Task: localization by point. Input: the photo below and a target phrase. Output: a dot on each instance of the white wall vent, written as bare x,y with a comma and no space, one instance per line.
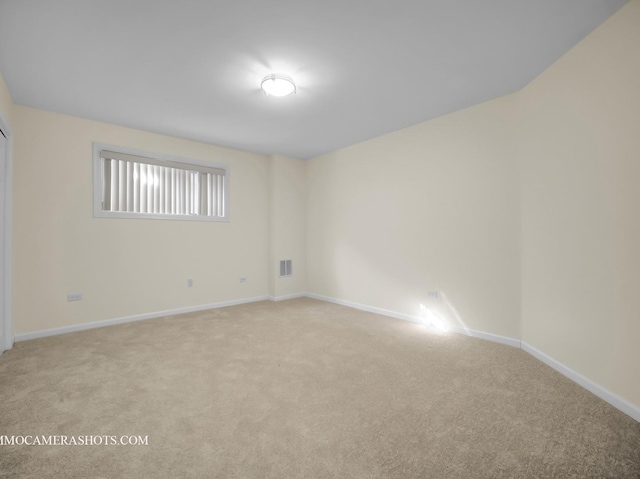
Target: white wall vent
285,268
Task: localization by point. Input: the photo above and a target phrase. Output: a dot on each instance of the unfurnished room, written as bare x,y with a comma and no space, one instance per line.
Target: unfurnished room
320,239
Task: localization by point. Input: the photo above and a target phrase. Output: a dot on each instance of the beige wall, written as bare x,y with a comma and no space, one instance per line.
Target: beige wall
580,161
431,207
534,193
287,224
122,266
523,211
6,103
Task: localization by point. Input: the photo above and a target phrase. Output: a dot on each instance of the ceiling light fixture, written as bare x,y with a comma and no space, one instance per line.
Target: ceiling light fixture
278,85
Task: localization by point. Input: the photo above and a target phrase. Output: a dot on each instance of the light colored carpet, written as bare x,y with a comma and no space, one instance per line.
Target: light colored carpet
301,388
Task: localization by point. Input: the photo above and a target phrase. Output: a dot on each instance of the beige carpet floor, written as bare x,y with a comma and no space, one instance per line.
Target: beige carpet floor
299,389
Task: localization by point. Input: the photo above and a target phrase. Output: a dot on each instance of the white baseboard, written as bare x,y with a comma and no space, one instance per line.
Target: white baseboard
417,319
496,338
365,307
129,319
288,296
613,399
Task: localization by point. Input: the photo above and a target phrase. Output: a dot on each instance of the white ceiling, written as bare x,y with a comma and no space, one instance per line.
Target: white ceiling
192,68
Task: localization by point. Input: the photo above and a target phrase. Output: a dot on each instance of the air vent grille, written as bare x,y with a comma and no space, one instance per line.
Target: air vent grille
285,268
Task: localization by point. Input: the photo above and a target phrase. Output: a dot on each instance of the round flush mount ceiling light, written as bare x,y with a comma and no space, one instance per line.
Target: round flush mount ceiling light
278,85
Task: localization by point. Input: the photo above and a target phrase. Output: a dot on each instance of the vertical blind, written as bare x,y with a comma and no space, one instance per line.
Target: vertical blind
136,184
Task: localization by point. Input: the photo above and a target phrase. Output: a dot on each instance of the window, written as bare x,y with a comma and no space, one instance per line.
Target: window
136,184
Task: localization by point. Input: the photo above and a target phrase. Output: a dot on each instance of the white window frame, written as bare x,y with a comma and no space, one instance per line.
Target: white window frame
98,212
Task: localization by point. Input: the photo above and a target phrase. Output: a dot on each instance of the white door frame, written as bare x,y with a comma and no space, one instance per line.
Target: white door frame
6,316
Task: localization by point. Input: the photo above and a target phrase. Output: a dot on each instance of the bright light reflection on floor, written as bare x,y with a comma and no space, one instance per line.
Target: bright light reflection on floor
432,321
461,326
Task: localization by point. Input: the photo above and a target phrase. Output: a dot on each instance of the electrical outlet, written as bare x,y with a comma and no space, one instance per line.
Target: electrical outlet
189,283
243,280
74,297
